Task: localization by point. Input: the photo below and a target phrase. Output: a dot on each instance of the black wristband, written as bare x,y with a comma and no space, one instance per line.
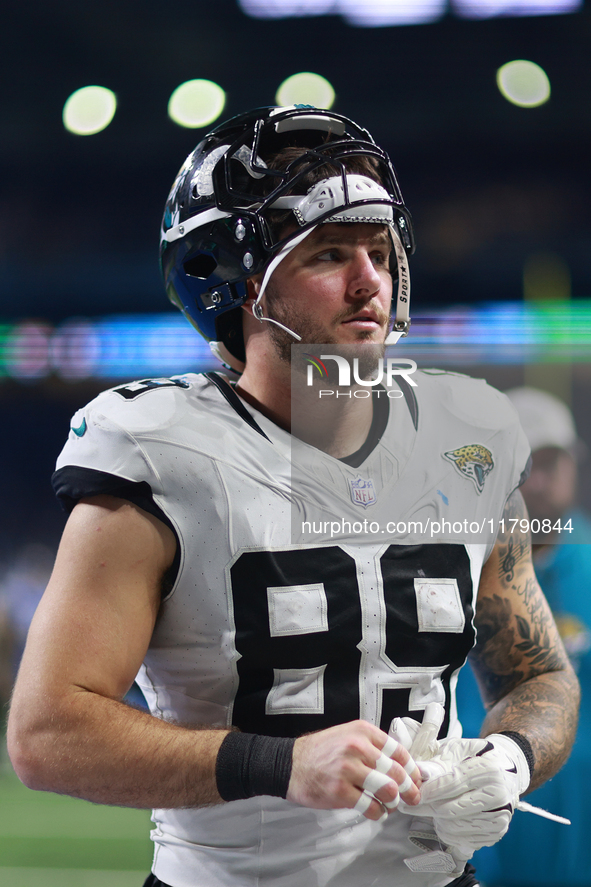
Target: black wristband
249,765
525,746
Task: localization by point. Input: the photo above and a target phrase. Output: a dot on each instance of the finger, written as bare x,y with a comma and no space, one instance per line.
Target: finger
363,803
382,787
370,807
405,785
408,790
392,805
410,768
402,756
403,730
375,780
386,787
395,762
384,762
385,765
389,786
422,746
390,746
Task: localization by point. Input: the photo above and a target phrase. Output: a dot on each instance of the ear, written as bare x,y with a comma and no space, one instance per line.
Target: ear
253,285
252,288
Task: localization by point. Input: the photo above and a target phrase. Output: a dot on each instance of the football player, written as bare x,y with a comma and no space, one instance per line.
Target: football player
274,665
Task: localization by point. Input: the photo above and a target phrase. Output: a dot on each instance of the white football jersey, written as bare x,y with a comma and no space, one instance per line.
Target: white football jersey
280,624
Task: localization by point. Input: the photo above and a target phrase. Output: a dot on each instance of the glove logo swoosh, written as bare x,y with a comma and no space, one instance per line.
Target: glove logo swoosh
508,807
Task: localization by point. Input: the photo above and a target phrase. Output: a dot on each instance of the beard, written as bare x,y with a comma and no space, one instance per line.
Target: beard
311,332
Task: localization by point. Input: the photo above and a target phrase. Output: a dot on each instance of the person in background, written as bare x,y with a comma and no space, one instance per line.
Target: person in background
562,558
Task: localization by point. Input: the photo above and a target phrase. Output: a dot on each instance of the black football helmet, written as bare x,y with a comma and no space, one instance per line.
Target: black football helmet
218,229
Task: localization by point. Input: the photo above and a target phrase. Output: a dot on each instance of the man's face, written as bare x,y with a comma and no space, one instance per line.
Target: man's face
550,489
334,288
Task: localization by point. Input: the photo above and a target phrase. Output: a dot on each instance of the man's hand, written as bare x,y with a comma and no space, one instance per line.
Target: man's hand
471,788
354,765
469,792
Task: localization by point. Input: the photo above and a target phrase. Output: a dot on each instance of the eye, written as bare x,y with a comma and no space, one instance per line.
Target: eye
380,258
329,255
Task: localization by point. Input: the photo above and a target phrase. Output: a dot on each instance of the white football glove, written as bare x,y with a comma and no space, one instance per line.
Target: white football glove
435,856
471,788
469,792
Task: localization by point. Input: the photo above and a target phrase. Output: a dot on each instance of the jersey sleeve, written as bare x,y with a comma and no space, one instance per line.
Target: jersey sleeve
102,457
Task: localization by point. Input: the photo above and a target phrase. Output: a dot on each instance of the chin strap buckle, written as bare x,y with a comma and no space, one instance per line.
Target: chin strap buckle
402,326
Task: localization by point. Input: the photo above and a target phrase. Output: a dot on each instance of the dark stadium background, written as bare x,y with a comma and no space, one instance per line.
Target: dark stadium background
488,183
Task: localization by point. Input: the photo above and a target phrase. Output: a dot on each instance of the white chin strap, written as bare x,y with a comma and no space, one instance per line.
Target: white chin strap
327,196
402,316
257,309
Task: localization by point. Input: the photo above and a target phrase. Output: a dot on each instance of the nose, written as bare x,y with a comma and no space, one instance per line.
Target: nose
364,280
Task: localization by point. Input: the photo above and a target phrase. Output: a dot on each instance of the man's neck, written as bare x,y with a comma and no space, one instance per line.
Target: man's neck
337,425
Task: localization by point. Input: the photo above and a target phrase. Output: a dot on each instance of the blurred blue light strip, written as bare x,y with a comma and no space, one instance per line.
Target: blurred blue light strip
507,332
154,345
384,13
484,9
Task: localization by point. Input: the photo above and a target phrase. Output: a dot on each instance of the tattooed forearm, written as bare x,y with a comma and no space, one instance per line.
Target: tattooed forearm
544,710
517,637
524,675
512,648
531,599
495,661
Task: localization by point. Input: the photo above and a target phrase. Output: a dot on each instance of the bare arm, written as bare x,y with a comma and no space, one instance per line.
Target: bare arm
523,672
69,731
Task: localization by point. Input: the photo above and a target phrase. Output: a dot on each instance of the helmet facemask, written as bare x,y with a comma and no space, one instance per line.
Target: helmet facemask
239,206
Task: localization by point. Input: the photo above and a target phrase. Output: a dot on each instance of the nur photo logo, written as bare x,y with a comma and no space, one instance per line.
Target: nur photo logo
349,373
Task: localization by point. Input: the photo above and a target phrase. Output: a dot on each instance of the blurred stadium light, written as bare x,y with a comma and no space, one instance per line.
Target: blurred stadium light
391,12
196,103
523,83
381,13
368,13
89,110
512,9
136,346
306,88
116,347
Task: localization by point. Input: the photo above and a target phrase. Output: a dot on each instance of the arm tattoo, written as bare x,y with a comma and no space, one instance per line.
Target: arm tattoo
514,548
523,672
544,709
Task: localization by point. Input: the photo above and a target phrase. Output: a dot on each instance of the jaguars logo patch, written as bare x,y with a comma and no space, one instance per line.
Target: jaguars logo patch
473,461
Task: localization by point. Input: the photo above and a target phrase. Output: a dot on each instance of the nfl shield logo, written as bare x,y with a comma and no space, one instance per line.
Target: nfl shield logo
362,491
